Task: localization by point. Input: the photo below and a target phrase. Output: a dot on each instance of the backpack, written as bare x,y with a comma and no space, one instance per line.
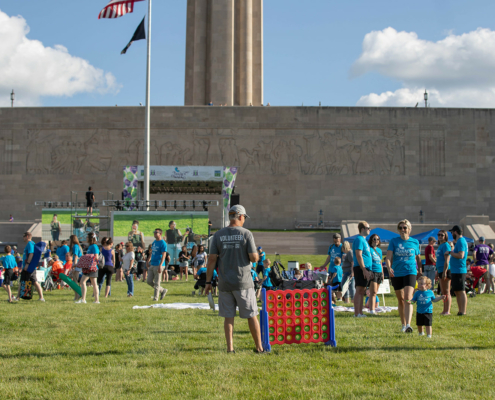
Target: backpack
88,263
275,275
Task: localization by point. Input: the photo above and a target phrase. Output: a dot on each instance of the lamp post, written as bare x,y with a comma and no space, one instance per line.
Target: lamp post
426,98
12,98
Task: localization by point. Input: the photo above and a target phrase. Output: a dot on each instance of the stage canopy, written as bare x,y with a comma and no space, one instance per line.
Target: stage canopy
423,237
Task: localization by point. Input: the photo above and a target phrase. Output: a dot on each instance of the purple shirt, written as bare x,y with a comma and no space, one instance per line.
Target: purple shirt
483,253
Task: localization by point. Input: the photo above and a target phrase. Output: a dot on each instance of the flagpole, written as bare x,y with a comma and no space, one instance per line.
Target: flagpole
147,117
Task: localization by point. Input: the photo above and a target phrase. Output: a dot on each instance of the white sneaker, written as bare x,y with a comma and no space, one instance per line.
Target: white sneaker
428,336
361,316
409,329
96,302
403,329
422,334
373,312
43,300
80,301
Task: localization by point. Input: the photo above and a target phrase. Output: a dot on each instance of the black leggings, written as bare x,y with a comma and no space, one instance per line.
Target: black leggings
199,284
107,271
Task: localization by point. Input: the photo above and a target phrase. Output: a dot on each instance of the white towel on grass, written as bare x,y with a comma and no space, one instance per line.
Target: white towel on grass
366,310
178,306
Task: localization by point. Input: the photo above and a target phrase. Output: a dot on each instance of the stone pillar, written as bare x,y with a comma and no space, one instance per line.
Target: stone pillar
221,65
246,53
257,83
196,47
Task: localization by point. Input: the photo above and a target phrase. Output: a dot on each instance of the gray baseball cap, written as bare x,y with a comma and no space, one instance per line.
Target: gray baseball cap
481,238
238,209
336,235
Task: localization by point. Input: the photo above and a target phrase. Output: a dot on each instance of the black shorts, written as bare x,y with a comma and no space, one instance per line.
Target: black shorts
26,276
8,274
259,269
376,277
339,284
440,274
359,279
458,282
400,282
89,204
424,319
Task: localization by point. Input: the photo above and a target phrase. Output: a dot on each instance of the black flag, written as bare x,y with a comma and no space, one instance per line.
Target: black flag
138,35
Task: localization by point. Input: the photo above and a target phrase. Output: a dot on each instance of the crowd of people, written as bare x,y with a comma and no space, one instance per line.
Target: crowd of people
236,270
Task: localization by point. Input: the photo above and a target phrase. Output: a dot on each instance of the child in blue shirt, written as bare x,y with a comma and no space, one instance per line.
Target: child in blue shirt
201,280
335,279
256,281
267,283
366,303
425,299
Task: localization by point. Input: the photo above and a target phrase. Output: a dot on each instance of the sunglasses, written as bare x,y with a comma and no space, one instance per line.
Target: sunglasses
367,227
156,232
403,228
127,246
440,235
376,239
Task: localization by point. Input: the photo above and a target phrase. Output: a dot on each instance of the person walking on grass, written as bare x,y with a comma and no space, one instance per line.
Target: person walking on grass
8,263
335,250
127,264
376,275
404,264
362,266
92,276
119,276
443,269
200,259
156,264
75,250
235,250
348,272
108,270
425,299
26,260
458,269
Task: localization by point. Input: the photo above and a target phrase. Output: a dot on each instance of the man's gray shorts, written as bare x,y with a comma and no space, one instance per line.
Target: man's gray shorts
244,299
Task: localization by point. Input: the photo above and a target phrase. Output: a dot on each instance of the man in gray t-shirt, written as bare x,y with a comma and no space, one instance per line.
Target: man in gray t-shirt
235,250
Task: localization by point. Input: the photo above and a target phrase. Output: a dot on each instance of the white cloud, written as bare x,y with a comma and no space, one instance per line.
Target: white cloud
34,70
457,71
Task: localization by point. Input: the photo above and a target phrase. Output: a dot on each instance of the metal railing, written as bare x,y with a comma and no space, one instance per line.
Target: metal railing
161,205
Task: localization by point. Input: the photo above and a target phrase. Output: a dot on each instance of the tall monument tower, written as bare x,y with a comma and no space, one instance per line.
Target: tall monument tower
224,52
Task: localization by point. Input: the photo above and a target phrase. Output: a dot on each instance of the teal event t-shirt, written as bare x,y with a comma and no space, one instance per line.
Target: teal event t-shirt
334,251
360,243
459,266
8,262
338,270
93,249
442,249
29,249
376,255
157,249
425,305
76,252
405,252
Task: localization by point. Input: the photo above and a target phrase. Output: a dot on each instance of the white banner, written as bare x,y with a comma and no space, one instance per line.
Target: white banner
181,173
384,287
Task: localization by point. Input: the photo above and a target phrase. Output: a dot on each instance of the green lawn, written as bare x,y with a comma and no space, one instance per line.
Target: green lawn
148,223
63,216
62,350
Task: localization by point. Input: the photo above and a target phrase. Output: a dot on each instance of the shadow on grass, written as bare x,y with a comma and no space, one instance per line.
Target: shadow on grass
64,354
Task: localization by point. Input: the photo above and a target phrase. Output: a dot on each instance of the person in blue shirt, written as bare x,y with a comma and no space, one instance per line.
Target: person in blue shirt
201,280
367,301
443,269
92,276
26,260
256,281
425,299
335,250
458,269
8,263
363,262
62,251
376,275
262,256
404,264
156,264
76,252
266,282
335,277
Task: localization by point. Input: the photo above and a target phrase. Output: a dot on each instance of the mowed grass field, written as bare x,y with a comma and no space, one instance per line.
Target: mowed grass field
122,224
62,350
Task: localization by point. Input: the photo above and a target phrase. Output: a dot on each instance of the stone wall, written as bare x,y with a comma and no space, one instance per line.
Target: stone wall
378,164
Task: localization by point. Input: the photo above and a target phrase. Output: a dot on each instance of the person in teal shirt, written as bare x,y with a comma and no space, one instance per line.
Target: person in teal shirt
376,275
458,269
266,282
335,250
425,299
262,257
8,263
443,269
403,264
335,277
156,264
62,251
362,266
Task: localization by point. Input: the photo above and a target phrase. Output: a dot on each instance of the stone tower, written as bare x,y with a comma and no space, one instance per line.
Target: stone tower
224,52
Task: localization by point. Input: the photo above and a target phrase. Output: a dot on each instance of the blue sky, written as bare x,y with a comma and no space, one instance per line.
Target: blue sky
310,48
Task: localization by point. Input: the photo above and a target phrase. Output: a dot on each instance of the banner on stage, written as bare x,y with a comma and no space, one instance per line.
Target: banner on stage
182,173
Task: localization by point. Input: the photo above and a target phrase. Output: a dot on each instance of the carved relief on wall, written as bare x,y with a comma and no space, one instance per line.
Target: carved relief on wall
6,148
432,153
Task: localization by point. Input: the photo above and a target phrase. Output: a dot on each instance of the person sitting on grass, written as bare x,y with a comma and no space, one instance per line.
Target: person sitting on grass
9,264
266,282
298,274
57,267
200,277
367,301
335,277
425,299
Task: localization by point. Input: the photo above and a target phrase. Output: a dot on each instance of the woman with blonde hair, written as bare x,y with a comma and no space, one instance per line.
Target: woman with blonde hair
92,276
443,269
404,264
348,273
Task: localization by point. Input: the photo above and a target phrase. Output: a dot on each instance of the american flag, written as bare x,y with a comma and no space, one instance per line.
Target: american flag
117,8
